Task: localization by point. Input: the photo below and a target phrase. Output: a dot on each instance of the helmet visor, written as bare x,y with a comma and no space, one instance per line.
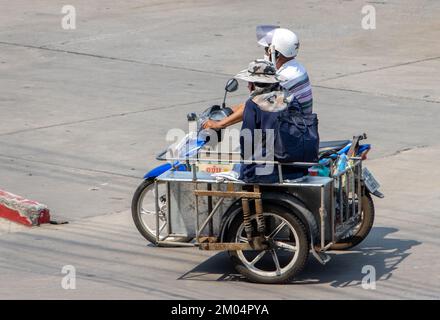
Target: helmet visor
264,34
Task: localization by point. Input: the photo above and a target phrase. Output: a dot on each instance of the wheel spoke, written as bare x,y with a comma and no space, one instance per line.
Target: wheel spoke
277,229
286,246
258,257
275,260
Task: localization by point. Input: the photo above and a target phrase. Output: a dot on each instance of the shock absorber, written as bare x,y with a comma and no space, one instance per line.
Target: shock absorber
261,225
247,218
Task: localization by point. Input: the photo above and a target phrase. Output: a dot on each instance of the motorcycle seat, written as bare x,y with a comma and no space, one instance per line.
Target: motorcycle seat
332,146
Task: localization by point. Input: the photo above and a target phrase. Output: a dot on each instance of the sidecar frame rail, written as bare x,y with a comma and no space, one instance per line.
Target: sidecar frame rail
342,184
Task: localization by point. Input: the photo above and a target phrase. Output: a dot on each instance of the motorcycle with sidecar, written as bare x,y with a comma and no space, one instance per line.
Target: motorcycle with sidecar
269,230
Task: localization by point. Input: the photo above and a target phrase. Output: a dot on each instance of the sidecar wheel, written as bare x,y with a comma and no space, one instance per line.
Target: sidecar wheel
144,215
279,265
362,230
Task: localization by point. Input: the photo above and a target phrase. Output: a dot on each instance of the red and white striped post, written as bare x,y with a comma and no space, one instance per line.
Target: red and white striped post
23,211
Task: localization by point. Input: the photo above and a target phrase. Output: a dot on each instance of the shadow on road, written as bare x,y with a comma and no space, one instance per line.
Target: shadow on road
379,250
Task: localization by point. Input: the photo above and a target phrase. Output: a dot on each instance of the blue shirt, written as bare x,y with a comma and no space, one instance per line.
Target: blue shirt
256,119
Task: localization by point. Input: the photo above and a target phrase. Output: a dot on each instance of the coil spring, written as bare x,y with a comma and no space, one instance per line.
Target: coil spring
261,225
247,218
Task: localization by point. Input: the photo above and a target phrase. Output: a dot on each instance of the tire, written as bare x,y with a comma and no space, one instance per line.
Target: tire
364,229
143,228
296,232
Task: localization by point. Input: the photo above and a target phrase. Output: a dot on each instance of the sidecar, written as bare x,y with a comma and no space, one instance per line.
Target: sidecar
269,230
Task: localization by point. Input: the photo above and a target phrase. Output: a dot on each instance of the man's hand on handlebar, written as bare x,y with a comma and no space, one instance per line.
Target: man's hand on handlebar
234,118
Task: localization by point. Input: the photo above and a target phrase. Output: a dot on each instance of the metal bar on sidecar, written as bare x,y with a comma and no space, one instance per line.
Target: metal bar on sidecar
197,216
228,194
353,192
209,218
322,214
280,174
360,187
297,164
333,209
176,244
156,200
194,171
202,180
341,199
177,235
194,178
211,224
168,207
347,195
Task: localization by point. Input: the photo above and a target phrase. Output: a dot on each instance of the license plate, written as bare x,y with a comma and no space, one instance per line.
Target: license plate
370,182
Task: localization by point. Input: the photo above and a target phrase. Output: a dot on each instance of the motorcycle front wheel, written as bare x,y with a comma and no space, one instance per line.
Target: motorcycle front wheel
143,210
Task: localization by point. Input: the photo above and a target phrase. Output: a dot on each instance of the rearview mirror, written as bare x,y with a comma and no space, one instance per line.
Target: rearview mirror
231,85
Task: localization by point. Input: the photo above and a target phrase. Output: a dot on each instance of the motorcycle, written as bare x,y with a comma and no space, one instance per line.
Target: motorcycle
329,209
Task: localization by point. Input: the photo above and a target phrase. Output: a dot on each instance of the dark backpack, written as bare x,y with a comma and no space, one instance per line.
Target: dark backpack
296,136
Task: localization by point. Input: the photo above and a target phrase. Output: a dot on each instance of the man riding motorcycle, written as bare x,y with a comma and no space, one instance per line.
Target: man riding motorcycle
297,84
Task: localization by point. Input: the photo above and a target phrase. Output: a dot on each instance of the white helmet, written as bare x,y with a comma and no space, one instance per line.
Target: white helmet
285,42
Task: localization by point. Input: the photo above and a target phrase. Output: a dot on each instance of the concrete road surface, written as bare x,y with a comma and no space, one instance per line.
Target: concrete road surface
83,113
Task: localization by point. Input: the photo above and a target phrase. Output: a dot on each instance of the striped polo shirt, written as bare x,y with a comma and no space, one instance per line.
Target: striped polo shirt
297,84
